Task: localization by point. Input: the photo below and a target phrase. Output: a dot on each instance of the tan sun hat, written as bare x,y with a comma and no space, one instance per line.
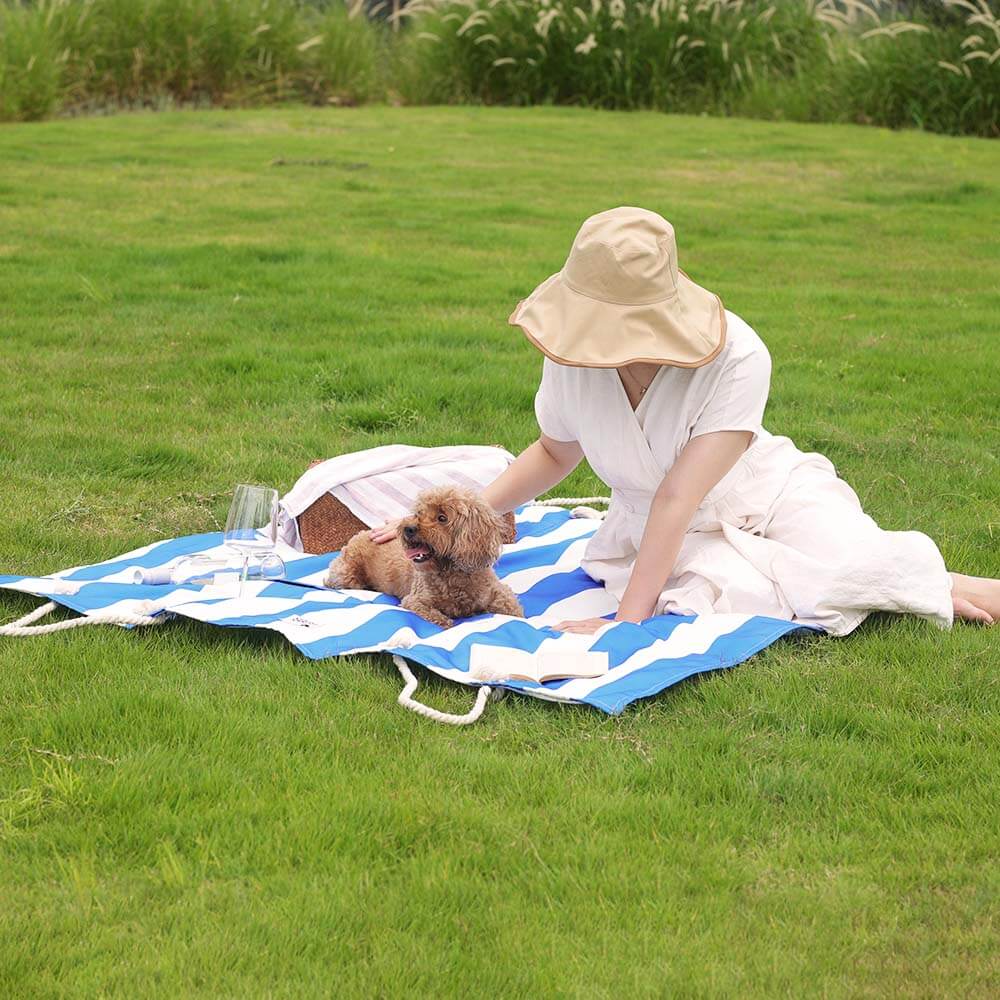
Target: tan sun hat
621,298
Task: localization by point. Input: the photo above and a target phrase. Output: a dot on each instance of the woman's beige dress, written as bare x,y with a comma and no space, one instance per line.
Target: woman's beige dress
780,535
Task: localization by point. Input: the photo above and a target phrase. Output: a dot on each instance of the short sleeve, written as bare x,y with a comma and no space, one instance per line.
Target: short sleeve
549,411
740,397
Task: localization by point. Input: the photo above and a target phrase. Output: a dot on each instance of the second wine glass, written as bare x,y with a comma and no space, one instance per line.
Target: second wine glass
252,524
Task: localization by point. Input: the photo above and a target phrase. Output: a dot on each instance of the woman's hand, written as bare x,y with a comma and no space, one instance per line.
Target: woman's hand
699,467
386,533
587,626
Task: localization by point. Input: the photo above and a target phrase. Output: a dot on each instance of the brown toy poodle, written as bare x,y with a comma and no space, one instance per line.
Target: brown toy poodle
442,564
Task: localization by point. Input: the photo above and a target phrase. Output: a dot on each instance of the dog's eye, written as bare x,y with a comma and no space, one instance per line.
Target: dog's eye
442,518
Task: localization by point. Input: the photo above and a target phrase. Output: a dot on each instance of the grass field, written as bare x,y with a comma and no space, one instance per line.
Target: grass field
195,299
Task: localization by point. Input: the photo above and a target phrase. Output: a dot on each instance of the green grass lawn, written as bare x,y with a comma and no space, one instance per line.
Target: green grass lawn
195,299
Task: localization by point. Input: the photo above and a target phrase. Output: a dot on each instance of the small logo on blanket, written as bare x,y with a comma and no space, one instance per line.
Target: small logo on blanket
302,622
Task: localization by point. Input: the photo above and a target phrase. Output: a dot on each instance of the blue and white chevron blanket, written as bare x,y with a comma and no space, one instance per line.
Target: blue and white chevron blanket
542,567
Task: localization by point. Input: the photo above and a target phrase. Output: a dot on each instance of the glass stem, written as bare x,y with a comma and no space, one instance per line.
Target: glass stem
245,571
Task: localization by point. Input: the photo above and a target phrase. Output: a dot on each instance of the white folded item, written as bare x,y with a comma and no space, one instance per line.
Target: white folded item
500,663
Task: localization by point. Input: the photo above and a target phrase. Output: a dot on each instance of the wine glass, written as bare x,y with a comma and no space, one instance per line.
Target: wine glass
252,528
201,569
252,523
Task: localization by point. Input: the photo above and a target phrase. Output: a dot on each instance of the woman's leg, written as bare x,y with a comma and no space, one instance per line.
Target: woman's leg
810,523
836,564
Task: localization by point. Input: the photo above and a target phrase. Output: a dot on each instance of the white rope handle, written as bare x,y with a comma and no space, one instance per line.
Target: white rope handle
407,701
23,627
571,501
581,506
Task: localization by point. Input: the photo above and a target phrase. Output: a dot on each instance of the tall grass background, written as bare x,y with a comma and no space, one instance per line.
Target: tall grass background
65,55
941,73
932,64
689,55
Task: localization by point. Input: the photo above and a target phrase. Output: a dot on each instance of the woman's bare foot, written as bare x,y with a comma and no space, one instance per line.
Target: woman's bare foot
976,598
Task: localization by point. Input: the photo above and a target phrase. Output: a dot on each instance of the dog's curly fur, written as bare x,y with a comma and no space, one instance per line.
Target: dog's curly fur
440,564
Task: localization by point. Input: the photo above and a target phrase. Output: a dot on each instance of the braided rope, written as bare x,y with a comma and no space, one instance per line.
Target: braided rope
580,505
407,701
33,616
571,501
23,628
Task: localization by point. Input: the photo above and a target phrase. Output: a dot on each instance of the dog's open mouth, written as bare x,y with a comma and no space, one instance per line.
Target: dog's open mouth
418,552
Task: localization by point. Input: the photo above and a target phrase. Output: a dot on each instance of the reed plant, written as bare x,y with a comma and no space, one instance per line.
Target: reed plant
66,54
669,54
934,64
940,71
348,62
31,65
886,62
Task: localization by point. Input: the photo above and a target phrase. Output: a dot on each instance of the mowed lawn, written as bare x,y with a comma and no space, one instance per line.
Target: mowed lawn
191,300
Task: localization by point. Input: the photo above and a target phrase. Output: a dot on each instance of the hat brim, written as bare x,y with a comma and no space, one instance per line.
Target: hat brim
687,330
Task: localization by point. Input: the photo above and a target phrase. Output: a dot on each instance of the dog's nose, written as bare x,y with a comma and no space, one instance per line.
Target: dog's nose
409,531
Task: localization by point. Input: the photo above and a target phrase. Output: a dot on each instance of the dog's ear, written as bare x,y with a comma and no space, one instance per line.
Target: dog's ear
509,529
479,536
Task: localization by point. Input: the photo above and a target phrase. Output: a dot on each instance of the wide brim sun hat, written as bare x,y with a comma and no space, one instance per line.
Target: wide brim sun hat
621,298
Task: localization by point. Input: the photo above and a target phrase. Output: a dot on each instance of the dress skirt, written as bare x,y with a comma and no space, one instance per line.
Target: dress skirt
781,535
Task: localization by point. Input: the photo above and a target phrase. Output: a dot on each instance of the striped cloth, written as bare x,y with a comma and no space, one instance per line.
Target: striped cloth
542,567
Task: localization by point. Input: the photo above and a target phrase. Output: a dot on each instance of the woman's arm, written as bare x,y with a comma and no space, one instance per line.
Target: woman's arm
538,468
702,463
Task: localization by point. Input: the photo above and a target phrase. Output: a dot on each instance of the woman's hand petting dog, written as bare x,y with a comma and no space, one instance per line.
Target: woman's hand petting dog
386,533
441,564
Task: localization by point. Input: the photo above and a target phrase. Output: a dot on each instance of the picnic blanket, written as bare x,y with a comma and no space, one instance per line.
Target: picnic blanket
542,567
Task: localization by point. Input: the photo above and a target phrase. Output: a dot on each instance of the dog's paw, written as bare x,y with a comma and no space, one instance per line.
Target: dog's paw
332,579
426,612
434,617
505,602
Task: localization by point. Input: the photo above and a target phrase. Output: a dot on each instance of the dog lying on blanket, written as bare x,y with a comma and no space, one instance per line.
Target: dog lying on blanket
442,565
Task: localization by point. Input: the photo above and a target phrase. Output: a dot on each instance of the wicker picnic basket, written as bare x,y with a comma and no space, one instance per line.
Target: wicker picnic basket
328,525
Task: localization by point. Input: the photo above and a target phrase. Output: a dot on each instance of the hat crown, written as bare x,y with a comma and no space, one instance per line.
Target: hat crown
626,256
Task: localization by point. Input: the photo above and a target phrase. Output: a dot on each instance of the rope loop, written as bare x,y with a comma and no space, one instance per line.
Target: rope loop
407,700
23,627
572,501
581,506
